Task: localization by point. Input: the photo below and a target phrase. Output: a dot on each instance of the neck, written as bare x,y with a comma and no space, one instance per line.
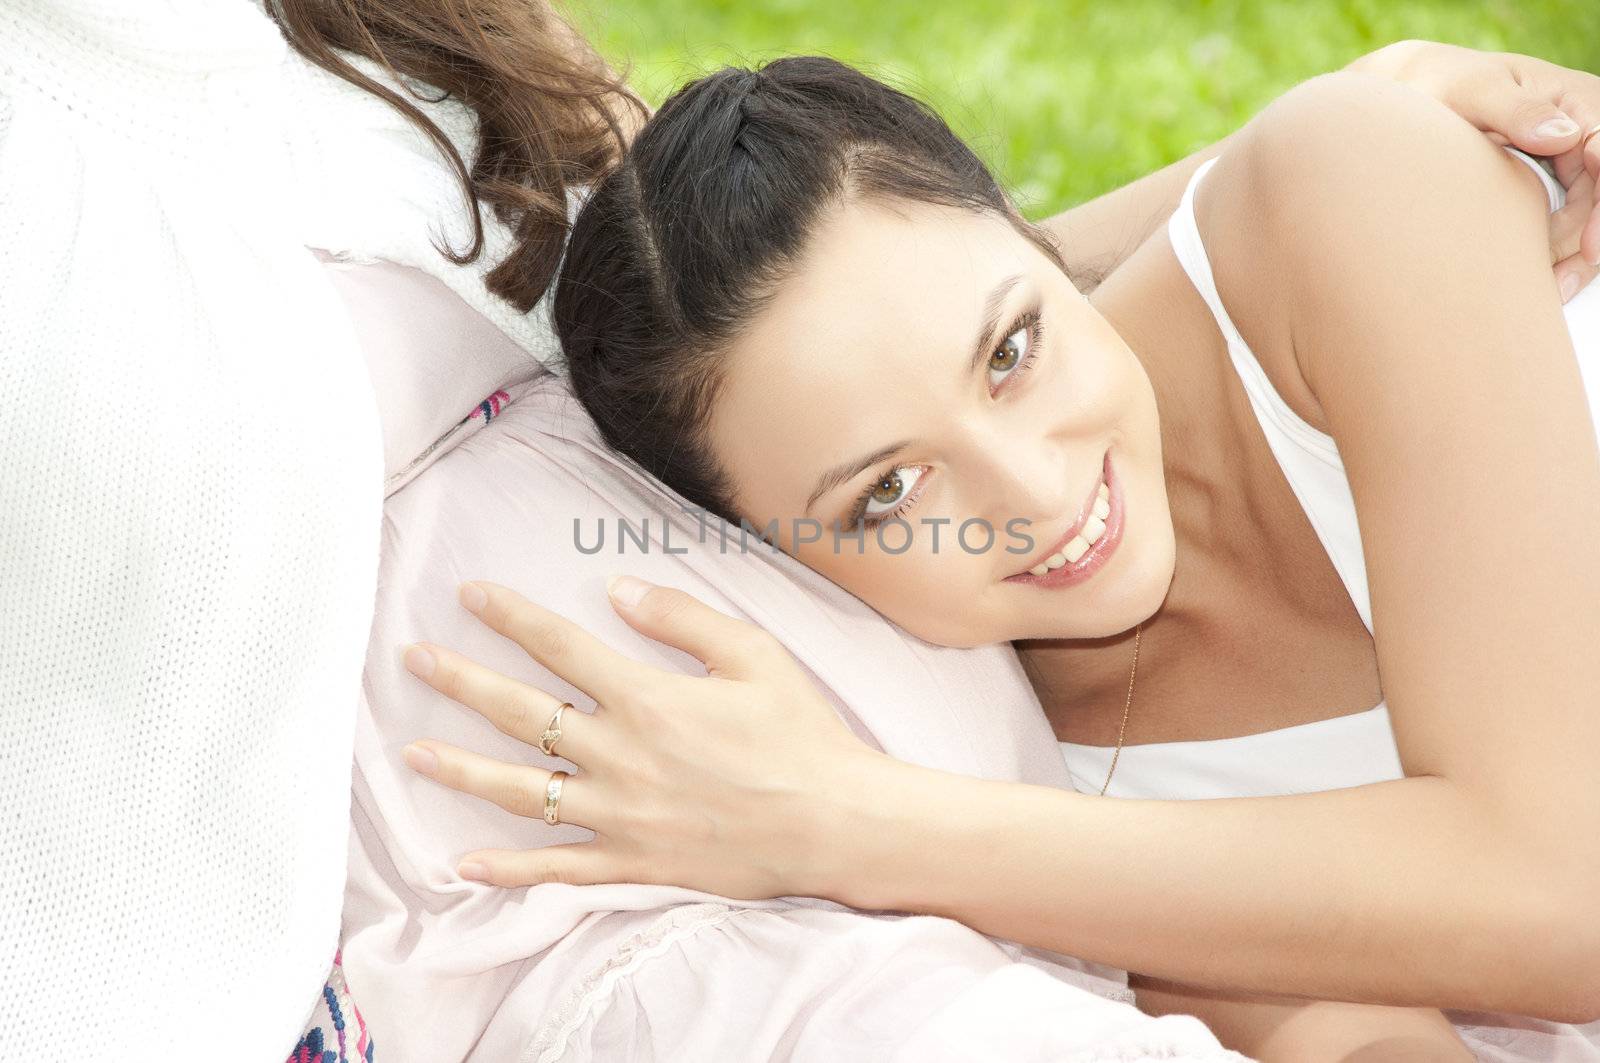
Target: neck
1153,306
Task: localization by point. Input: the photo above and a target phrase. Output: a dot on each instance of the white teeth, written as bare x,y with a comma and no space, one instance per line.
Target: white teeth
1090,534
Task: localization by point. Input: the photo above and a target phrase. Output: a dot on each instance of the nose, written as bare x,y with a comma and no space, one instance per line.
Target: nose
1035,480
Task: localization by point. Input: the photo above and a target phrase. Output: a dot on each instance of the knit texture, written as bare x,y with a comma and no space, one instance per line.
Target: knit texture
190,492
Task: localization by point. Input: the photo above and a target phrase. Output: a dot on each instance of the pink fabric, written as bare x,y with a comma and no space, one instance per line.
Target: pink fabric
431,356
448,969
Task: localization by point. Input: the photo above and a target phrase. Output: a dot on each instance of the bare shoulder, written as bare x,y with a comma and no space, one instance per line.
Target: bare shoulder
1336,180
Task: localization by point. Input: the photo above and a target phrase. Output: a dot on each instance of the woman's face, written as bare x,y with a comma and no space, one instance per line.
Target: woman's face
932,365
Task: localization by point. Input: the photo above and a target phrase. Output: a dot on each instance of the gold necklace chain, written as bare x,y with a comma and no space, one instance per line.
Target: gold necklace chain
1139,631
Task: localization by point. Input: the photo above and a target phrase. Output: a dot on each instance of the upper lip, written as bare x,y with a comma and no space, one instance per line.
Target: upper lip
1077,526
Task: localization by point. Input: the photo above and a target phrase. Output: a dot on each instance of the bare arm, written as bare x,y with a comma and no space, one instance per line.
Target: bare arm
1278,1029
1469,883
1097,236
1510,97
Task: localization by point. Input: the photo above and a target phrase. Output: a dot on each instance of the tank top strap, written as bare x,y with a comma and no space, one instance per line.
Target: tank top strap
1308,457
1184,234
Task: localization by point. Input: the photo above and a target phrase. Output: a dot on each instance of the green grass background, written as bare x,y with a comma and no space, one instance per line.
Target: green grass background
1068,99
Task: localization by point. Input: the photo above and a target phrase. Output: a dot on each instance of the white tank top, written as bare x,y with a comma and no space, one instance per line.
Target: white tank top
1349,750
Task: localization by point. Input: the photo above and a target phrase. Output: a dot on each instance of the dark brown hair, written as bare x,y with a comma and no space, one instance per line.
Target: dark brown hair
680,246
542,96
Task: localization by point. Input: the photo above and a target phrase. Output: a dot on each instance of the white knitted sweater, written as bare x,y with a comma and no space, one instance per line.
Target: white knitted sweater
190,490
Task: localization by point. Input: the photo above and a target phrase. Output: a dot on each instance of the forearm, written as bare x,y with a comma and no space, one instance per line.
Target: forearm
1095,237
1402,892
1279,1029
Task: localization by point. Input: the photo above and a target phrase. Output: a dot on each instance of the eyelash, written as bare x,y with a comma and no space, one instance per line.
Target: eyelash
1033,322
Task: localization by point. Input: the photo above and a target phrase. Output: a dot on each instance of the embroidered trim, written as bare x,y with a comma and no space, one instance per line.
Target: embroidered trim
331,1010
488,409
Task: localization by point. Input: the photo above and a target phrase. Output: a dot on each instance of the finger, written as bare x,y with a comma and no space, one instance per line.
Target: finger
1573,275
1543,122
1566,227
728,647
1589,245
1585,210
1584,155
1524,107
1582,102
517,788
1575,94
1537,125
1569,165
579,864
515,708
556,642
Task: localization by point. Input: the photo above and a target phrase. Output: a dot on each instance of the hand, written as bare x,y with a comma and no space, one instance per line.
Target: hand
1567,226
718,783
1542,108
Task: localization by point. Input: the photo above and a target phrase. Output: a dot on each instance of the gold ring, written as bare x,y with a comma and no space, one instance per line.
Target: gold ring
552,731
552,798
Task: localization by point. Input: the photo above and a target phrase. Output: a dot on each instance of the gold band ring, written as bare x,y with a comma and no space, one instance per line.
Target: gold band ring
552,731
552,798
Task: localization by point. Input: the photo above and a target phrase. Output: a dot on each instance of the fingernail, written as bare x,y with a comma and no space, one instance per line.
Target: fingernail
473,598
626,589
1557,127
476,872
1569,287
419,662
421,759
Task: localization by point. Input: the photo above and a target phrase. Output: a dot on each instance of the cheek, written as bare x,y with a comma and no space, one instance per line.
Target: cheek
920,590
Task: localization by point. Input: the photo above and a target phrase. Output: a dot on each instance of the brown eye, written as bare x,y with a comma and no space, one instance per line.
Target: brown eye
891,491
1008,354
1015,351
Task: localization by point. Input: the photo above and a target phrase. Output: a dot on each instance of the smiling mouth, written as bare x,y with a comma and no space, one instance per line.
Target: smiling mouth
1089,528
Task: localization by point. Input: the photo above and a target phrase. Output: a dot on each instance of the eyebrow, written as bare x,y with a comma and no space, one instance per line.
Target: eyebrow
849,470
991,321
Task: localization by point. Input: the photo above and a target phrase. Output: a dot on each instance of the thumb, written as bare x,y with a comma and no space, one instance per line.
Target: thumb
1539,127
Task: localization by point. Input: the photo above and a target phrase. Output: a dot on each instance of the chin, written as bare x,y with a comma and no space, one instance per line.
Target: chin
1144,584
1133,588
956,636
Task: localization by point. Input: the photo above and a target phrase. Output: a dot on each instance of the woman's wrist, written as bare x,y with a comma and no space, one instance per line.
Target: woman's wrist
866,816
889,832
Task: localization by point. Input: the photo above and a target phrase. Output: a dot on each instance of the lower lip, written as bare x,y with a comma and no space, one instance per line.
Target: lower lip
1093,559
